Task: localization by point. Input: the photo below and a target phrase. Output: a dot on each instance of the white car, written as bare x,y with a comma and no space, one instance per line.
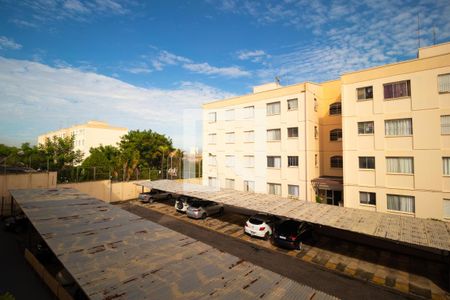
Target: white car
182,203
260,225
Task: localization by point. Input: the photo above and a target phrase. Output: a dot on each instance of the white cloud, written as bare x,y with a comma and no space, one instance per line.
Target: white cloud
35,98
6,43
254,55
205,68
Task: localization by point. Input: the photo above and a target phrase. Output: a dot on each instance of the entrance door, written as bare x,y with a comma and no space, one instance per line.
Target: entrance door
333,197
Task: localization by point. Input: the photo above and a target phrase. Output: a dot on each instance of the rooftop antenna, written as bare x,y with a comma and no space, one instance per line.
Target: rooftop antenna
434,35
277,79
418,34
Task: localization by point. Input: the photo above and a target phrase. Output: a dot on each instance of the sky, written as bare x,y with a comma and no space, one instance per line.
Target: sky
151,64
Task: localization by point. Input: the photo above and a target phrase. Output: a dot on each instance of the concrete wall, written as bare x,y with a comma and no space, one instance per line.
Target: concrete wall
22,181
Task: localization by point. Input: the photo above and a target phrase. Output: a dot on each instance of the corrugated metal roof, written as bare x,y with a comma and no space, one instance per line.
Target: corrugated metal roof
113,254
431,234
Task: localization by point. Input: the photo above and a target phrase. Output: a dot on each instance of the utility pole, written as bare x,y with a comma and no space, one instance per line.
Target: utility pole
418,34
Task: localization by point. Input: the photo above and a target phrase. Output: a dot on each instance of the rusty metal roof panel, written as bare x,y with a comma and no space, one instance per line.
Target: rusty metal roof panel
113,254
431,234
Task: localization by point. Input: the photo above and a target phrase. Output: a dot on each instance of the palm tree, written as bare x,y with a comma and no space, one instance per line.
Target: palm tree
163,150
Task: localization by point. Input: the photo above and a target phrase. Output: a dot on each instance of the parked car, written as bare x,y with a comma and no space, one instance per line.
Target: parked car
290,234
182,203
203,209
260,225
150,197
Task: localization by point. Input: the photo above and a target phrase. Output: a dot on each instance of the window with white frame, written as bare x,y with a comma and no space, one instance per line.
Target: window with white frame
229,183
336,135
229,161
293,190
212,181
274,162
316,132
212,117
447,208
212,138
367,198
249,112
292,161
365,93
401,165
397,89
316,160
335,109
316,105
401,203
249,161
249,186
229,137
212,160
444,83
365,127
445,124
398,127
274,189
292,132
367,162
292,104
229,115
336,162
249,136
273,108
274,134
446,166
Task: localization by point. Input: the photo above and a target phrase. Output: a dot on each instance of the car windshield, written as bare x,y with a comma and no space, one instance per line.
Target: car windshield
289,226
197,204
255,221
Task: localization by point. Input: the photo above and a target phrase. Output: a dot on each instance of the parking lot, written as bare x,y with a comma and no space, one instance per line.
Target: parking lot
379,270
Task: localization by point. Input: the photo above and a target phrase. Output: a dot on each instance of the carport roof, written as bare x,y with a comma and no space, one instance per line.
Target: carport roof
416,232
113,254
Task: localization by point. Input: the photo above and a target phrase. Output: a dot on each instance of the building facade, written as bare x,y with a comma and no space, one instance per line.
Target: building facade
88,135
380,136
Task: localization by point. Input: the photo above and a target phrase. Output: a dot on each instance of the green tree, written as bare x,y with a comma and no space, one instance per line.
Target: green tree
104,160
60,152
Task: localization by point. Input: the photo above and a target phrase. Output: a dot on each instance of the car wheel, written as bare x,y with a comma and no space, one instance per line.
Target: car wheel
267,236
204,216
299,246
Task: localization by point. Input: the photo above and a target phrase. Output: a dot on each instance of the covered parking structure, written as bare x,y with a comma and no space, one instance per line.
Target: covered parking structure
113,254
421,236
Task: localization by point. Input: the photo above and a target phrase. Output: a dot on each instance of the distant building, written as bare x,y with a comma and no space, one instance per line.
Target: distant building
89,135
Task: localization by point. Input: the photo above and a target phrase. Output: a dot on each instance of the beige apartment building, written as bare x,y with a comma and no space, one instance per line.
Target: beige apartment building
388,151
89,135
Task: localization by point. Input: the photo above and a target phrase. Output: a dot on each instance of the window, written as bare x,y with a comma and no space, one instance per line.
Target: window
316,105
249,186
274,189
400,203
273,108
447,208
229,161
365,127
229,115
292,132
397,89
336,135
274,134
249,112
212,160
229,137
229,183
398,127
336,162
316,160
293,190
292,161
446,165
212,117
274,162
444,83
212,181
212,138
292,104
402,165
367,162
365,93
249,161
445,124
335,108
367,198
316,132
249,136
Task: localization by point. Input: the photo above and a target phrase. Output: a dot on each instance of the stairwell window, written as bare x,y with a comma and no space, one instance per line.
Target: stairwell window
444,83
367,198
445,124
400,165
273,134
365,93
398,127
292,161
292,104
274,189
212,117
292,132
212,160
367,162
273,108
446,166
336,135
274,162
336,162
335,109
397,89
401,203
212,138
365,128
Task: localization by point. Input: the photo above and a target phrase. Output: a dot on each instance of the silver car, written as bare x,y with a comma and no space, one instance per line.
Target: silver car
203,209
150,197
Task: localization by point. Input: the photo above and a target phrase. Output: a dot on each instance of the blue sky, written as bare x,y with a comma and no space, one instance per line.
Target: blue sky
151,64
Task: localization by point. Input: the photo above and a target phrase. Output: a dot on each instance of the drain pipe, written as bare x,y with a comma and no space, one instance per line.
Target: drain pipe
306,145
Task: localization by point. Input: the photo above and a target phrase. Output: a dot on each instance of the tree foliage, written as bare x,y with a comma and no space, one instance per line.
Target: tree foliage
60,152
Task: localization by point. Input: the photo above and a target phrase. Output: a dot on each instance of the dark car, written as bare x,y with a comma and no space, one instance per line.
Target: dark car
290,234
153,195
